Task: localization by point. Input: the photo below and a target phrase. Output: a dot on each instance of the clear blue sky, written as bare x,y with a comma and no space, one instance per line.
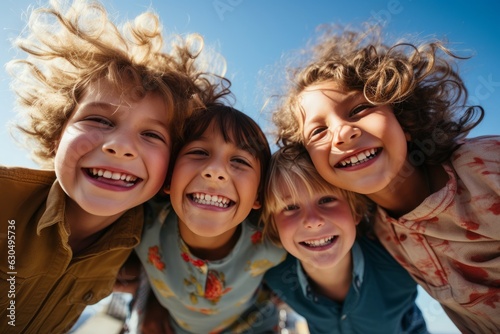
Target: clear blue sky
253,35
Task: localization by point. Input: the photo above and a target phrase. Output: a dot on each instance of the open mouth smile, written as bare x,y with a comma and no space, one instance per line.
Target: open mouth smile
320,242
213,200
106,175
359,158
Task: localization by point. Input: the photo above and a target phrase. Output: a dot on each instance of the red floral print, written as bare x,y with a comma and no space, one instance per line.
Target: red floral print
194,262
214,288
155,258
256,237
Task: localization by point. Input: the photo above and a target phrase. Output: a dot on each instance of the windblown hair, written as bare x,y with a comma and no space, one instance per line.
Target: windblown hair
70,46
291,167
420,82
234,126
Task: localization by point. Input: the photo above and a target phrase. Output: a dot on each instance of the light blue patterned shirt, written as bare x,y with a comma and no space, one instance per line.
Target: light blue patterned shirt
208,296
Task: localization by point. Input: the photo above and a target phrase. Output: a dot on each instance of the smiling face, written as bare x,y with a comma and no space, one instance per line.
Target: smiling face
354,145
214,185
114,151
316,227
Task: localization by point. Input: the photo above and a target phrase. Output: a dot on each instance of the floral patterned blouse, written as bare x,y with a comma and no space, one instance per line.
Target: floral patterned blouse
222,296
450,243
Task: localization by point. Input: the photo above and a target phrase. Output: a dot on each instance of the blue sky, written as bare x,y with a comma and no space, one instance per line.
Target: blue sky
254,35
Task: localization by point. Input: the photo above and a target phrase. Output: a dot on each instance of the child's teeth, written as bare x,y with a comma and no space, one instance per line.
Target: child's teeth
211,200
112,175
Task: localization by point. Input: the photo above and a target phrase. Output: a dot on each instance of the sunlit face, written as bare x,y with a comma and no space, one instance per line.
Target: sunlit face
317,229
214,185
354,145
114,151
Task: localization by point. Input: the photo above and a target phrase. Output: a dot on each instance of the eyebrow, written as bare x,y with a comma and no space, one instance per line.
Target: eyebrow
100,105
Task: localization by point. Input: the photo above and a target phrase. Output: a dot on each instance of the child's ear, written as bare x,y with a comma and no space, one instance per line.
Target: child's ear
166,189
256,204
407,136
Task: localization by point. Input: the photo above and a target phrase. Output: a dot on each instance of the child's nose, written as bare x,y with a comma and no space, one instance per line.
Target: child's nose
345,134
120,147
214,175
312,220
215,172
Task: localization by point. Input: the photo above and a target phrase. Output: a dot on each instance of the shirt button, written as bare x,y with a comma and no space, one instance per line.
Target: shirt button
88,296
402,237
343,317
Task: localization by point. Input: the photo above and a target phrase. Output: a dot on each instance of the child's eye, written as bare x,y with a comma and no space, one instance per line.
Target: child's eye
291,207
327,199
318,131
100,120
155,135
196,152
318,134
359,109
241,161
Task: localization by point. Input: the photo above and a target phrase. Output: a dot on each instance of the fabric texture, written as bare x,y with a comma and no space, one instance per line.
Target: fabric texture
450,243
223,296
381,298
50,288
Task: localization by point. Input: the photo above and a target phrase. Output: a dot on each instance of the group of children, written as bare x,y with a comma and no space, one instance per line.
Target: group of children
373,189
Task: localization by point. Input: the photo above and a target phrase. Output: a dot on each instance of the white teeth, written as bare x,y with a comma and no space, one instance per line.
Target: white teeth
112,175
320,242
214,200
359,158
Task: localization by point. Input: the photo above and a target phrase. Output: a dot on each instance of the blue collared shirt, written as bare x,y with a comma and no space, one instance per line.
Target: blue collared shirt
381,298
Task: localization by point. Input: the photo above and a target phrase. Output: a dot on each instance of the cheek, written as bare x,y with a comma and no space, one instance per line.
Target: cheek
321,161
285,228
73,146
158,163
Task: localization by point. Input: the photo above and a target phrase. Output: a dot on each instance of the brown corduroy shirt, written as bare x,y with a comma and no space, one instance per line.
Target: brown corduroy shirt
43,288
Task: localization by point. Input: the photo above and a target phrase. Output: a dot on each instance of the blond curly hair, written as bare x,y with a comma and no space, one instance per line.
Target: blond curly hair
69,46
420,82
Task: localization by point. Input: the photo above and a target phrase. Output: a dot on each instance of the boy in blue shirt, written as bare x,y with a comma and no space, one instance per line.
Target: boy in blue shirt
339,279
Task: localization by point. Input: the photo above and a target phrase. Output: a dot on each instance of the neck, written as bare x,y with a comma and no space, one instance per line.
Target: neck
85,228
333,282
404,194
210,248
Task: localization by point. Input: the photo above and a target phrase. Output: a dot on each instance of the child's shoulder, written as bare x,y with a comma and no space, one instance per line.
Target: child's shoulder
479,152
482,145
27,175
24,185
374,252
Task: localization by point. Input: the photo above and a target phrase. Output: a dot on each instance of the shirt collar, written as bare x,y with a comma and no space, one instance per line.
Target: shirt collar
54,208
358,269
125,232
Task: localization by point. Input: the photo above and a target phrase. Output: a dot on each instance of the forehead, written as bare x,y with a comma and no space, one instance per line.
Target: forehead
291,185
105,96
330,91
119,93
325,97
